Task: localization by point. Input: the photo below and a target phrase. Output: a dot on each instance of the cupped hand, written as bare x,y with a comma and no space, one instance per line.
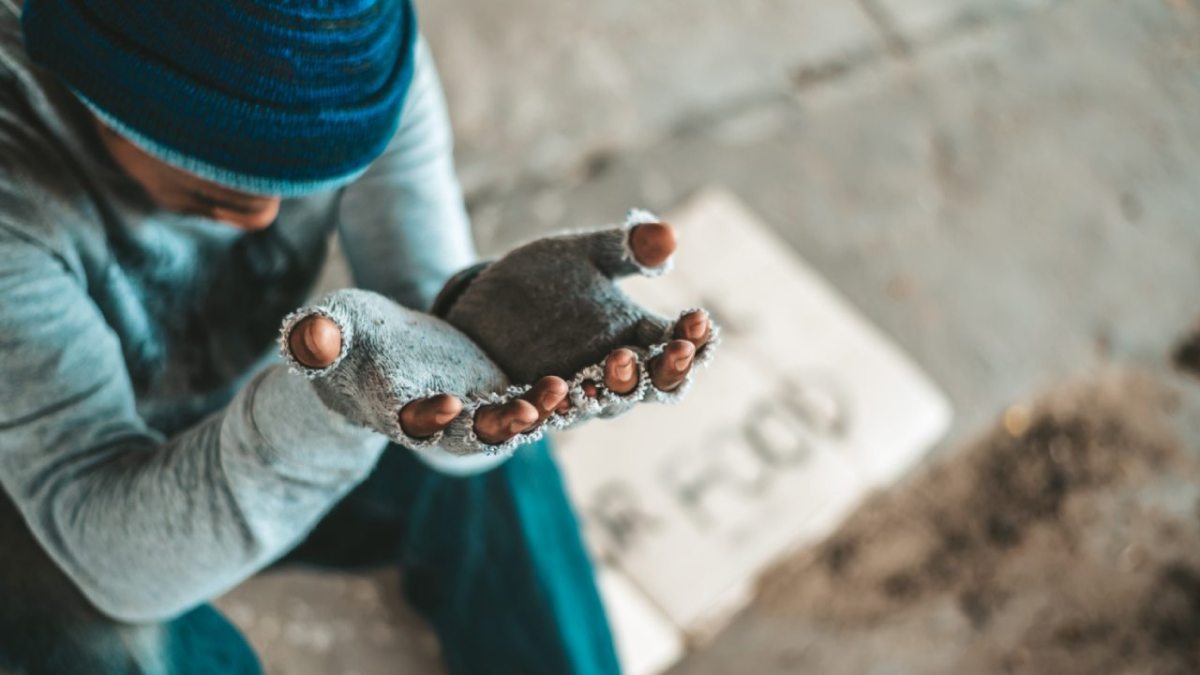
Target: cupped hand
652,245
316,343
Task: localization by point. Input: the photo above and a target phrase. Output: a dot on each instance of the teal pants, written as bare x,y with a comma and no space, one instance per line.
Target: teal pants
494,562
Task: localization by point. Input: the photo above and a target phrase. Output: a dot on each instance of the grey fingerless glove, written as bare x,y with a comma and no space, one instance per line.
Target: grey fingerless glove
390,356
551,307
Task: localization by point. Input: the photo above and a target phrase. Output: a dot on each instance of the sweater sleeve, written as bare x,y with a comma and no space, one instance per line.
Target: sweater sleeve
148,526
403,225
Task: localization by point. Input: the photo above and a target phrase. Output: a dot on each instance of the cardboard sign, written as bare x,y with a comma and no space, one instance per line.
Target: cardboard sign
805,408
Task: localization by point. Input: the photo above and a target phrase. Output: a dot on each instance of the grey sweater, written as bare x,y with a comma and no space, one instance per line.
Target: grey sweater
152,445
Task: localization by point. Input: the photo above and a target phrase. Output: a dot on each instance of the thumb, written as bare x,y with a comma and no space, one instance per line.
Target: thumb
315,341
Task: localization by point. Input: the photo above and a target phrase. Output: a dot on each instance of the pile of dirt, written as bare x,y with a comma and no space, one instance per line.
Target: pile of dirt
1065,540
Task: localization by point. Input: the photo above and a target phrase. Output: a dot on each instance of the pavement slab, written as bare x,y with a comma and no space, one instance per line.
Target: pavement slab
542,87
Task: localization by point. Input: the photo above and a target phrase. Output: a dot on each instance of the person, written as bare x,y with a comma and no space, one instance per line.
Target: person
170,174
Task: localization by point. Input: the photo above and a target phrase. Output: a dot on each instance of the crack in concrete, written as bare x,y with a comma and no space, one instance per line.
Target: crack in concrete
882,20
813,74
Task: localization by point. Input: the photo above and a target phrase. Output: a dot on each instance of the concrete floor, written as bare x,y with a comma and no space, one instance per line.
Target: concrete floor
1007,188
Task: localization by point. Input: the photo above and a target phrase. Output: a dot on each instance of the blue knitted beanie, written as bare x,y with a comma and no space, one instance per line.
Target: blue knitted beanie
277,97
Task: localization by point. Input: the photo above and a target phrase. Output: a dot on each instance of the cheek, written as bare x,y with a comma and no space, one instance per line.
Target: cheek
148,176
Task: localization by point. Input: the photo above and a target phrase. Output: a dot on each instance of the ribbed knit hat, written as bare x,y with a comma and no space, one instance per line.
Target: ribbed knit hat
275,97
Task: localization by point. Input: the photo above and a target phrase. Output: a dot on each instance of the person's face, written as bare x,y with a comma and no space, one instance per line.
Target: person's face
179,191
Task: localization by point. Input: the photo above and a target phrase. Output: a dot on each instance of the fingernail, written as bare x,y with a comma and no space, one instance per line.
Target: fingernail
516,426
681,365
695,331
444,418
625,370
548,401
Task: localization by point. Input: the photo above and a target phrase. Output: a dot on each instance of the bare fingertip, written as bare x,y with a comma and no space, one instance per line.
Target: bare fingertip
652,243
625,371
694,326
553,384
551,396
525,410
681,348
315,341
450,407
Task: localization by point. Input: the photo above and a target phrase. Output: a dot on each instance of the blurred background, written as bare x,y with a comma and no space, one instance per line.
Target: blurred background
1008,190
